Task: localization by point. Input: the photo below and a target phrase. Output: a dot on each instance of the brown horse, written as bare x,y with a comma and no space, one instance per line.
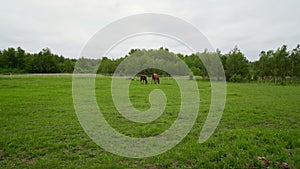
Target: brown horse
143,79
155,78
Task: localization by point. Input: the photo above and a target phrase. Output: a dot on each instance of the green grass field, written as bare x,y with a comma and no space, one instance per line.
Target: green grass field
40,129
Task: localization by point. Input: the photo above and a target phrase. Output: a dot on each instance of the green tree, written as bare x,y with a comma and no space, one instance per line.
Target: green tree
237,67
294,59
107,66
264,66
20,58
280,63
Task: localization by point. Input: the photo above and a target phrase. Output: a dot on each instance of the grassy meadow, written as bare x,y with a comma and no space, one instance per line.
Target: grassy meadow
40,129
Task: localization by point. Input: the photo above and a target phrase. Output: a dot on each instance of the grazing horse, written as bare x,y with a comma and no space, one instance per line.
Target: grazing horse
143,79
155,78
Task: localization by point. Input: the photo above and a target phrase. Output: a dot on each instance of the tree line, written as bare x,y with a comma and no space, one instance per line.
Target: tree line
278,66
18,61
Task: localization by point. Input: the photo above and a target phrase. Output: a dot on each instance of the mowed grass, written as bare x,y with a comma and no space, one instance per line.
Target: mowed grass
40,129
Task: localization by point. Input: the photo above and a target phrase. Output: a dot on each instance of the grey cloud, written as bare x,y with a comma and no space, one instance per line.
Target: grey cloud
65,26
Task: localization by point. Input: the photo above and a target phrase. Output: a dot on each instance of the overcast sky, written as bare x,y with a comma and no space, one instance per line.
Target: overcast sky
66,26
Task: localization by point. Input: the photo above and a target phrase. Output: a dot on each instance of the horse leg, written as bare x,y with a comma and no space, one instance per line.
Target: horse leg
141,81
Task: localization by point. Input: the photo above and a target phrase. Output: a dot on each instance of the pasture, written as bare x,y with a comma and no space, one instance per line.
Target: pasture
40,129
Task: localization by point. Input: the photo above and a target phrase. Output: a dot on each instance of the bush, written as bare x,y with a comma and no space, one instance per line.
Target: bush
236,78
